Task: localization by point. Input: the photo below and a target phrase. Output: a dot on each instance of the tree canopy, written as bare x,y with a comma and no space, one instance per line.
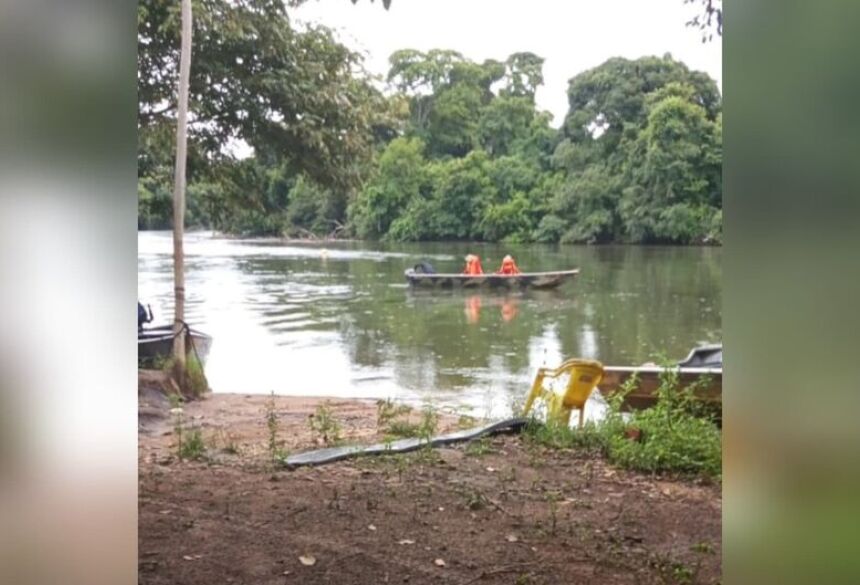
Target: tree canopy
637,159
453,149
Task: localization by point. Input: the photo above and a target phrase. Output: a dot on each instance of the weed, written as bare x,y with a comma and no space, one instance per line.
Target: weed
387,412
189,443
427,455
324,424
479,447
426,430
192,447
553,498
673,572
429,422
277,454
475,500
401,464
227,440
393,419
703,547
402,428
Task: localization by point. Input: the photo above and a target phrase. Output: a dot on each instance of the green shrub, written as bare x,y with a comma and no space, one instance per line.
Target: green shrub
676,435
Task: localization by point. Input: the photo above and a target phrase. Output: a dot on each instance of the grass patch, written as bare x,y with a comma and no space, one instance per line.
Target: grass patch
676,435
402,428
387,411
479,447
192,445
393,420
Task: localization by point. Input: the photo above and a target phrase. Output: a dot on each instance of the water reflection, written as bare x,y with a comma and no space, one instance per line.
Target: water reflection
507,307
296,320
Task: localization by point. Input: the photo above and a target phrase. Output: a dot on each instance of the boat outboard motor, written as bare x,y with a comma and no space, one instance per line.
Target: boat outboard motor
143,316
708,356
424,267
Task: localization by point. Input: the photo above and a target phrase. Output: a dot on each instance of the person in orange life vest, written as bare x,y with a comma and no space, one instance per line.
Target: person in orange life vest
508,266
473,265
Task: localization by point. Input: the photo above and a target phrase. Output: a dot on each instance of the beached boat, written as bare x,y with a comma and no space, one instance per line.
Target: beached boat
536,280
703,368
155,344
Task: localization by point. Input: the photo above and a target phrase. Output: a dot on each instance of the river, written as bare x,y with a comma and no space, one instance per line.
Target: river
337,319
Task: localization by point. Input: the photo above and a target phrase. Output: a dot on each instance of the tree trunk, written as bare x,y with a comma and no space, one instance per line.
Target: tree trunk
179,196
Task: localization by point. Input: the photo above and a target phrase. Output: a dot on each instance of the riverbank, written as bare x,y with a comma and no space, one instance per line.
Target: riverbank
499,511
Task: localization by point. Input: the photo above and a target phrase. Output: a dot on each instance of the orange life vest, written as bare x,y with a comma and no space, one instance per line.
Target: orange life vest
509,267
473,267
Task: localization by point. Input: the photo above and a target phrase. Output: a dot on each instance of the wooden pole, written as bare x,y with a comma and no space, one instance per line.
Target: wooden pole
179,194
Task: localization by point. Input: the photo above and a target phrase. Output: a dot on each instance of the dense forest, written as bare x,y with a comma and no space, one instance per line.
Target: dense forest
451,150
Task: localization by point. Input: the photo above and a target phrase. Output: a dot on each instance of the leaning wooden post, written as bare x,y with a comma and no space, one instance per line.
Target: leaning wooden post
179,196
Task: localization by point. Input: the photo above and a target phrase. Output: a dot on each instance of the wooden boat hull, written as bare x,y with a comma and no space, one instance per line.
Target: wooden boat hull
703,366
533,280
156,344
645,393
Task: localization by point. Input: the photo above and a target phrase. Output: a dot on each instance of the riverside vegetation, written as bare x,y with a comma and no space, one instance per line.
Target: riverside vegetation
676,435
452,150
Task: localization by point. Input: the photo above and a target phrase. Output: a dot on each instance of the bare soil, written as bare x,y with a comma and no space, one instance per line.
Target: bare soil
500,511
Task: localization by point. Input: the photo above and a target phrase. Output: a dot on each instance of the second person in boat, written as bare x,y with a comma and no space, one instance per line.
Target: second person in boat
508,266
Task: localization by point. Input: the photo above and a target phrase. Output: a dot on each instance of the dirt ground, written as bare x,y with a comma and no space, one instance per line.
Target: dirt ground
498,511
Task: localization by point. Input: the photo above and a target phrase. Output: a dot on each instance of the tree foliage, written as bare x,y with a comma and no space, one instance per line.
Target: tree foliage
641,148
299,99
637,159
455,150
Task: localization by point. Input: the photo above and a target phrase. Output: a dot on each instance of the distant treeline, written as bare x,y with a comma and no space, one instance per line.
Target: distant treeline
456,150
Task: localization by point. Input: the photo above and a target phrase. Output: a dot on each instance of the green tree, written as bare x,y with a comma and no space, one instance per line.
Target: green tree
607,103
641,149
300,96
587,203
462,191
398,180
673,170
523,75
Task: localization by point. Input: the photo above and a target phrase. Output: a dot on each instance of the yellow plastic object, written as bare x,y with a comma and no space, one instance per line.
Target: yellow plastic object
585,375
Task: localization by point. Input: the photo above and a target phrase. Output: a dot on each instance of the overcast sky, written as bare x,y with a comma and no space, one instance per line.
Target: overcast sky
572,35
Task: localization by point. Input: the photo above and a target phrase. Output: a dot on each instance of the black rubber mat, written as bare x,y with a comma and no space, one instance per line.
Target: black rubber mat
332,454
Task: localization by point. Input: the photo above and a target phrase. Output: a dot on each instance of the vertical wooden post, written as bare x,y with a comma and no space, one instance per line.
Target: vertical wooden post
179,194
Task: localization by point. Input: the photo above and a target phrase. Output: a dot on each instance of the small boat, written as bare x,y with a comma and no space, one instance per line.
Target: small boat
155,345
535,280
703,366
